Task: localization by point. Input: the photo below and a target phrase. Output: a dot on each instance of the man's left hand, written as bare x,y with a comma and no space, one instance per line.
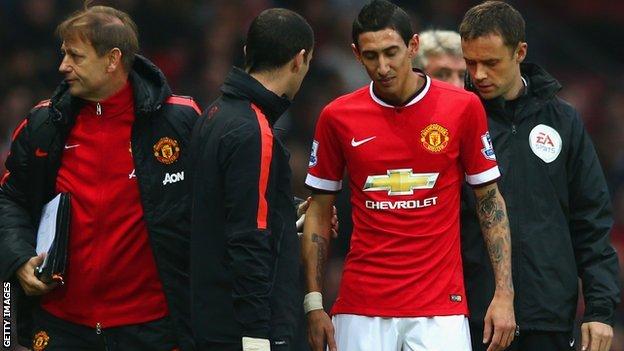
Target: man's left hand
500,317
596,336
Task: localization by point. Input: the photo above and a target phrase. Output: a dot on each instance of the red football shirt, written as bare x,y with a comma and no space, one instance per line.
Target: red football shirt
405,165
111,271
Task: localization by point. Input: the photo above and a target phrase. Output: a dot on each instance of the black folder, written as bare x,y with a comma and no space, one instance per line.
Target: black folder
53,268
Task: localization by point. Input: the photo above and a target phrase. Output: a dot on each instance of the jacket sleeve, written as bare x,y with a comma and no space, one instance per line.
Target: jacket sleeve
245,157
590,223
17,232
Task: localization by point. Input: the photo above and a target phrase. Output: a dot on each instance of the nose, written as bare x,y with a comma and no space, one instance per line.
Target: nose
384,66
65,67
480,72
457,79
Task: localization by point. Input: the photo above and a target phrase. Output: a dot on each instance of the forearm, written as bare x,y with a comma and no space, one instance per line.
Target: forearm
315,244
496,234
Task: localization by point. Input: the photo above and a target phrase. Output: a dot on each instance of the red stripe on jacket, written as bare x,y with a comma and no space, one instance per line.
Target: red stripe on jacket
178,100
19,129
5,177
266,155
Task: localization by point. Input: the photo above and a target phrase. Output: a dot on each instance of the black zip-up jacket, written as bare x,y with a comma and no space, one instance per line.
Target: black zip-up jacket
31,183
559,213
244,245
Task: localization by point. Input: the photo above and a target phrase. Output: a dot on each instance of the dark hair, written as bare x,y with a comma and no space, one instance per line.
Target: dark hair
382,14
105,28
493,17
275,37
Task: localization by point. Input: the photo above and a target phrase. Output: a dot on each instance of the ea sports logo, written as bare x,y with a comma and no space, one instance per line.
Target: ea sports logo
545,142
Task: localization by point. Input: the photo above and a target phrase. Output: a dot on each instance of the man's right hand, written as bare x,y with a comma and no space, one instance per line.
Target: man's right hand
320,331
30,283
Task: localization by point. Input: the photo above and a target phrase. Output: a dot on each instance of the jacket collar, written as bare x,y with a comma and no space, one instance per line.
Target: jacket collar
240,84
149,86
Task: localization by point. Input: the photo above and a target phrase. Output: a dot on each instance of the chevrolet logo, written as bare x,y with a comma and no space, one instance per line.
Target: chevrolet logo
401,181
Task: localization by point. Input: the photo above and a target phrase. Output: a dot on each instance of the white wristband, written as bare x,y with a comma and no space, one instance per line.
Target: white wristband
313,301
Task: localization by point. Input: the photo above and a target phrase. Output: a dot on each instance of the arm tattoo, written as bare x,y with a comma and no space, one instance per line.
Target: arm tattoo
489,210
495,227
321,257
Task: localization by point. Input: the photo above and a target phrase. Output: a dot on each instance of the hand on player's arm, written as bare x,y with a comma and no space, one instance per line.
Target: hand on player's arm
301,212
596,336
315,246
30,283
500,323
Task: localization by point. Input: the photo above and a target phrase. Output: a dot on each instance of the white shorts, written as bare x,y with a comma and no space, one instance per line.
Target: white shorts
361,333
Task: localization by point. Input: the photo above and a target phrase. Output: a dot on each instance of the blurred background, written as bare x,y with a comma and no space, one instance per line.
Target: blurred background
196,42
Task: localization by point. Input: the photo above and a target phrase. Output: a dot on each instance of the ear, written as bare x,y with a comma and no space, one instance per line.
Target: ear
356,53
521,52
412,46
114,60
298,61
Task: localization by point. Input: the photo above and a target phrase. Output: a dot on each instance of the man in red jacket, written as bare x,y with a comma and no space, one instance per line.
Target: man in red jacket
115,138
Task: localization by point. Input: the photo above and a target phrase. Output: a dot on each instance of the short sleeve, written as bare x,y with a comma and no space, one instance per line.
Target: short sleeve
326,165
477,153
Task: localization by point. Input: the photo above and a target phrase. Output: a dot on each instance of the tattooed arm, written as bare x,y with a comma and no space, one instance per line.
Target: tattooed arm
495,228
314,248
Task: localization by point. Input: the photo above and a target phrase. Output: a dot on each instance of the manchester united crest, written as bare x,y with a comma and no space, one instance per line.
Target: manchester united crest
167,150
40,341
434,138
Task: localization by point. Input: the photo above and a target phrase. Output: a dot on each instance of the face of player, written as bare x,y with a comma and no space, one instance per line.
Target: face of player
85,71
388,62
447,68
493,67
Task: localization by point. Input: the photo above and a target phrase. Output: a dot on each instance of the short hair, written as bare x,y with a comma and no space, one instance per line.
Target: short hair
382,14
275,37
494,17
105,28
437,42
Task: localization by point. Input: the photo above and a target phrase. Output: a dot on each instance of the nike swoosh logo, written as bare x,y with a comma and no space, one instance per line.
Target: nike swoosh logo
40,153
67,147
358,143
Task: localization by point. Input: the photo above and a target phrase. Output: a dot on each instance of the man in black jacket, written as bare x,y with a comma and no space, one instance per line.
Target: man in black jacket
244,246
114,137
558,202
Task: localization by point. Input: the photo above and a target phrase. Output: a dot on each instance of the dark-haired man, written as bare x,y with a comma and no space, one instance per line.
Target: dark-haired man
244,245
112,136
407,142
559,207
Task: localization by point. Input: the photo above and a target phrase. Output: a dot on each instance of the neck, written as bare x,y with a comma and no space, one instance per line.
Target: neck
115,85
412,84
272,81
516,89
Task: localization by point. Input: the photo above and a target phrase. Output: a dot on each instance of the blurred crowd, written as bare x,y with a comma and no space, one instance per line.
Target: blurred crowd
195,42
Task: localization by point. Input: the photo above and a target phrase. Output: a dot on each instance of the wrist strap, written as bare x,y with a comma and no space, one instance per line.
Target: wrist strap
313,301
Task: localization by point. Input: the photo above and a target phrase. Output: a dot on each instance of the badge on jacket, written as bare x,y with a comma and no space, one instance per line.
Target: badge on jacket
545,142
167,150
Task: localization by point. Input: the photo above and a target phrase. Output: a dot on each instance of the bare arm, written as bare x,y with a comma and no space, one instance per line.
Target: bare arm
495,228
315,240
315,247
499,323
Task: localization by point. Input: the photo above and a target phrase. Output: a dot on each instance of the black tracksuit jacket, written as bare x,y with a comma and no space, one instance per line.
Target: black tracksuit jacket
559,214
32,180
244,273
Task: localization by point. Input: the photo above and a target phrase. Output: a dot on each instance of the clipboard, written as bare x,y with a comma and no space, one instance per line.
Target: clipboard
53,238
